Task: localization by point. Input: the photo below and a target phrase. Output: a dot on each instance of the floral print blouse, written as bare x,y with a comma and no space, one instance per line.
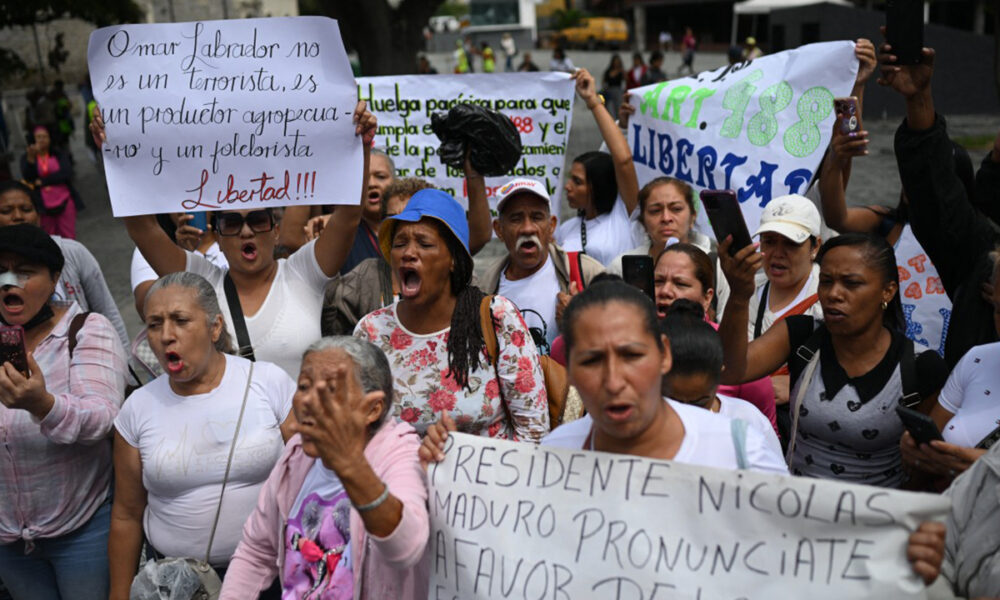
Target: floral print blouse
423,385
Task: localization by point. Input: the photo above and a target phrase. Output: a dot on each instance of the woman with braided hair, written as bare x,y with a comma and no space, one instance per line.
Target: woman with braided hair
433,337
602,187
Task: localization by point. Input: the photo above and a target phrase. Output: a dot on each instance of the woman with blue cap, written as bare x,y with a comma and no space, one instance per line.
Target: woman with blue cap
433,338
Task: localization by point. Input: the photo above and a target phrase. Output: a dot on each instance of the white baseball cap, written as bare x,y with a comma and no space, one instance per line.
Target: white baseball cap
519,186
793,216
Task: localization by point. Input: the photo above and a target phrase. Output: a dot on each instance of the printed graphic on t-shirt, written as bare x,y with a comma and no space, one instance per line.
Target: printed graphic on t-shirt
538,328
317,550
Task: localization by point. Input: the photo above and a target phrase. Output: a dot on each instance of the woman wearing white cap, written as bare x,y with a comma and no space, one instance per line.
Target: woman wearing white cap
789,240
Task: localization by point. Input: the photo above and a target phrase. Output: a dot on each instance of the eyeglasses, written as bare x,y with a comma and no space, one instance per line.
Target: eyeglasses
231,223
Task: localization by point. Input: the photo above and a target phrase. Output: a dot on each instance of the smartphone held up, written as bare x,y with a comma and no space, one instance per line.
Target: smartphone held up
904,30
12,348
848,118
726,218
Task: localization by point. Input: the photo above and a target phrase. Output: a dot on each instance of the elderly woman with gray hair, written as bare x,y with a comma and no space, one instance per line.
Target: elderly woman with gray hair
344,512
179,479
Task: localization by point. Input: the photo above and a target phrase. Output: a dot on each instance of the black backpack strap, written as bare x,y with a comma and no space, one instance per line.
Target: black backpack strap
908,376
239,323
758,325
803,354
74,330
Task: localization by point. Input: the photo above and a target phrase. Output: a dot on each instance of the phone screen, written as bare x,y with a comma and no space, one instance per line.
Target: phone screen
726,218
12,348
847,114
637,270
904,29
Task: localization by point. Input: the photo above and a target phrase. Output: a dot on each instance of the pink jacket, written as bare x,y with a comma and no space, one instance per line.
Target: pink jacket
390,567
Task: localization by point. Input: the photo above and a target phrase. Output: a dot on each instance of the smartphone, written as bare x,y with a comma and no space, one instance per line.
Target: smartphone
726,218
847,114
921,427
12,348
199,220
904,29
637,270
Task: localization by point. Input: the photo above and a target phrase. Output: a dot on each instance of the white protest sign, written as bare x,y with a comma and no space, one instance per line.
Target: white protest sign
926,306
539,104
759,127
242,113
516,520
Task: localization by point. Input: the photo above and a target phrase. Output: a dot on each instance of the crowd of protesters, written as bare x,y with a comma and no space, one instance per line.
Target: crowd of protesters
341,348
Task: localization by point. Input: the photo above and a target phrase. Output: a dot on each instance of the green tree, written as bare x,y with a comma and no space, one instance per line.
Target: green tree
387,34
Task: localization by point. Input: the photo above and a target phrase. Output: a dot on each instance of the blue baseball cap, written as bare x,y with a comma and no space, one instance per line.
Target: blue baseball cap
428,203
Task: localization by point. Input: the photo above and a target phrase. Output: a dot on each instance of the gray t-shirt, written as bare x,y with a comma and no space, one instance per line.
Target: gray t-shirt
83,282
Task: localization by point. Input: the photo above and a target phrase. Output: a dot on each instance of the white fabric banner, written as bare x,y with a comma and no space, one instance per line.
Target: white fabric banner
926,306
759,127
241,113
515,520
539,104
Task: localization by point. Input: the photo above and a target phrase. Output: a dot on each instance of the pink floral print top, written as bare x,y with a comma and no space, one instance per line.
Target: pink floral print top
423,386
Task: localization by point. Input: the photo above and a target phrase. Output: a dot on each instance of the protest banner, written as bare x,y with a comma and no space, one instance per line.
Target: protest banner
243,113
514,520
926,306
759,127
539,104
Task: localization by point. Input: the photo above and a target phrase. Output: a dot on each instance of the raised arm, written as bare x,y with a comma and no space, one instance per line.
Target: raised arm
832,183
746,361
335,241
628,182
480,219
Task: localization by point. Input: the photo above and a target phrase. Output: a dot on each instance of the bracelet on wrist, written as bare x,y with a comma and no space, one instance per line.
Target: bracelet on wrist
377,502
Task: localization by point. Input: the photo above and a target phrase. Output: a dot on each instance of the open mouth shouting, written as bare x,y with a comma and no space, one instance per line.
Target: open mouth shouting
374,199
175,364
248,251
528,245
618,411
409,282
13,302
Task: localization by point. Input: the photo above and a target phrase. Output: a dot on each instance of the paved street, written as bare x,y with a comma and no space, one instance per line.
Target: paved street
874,179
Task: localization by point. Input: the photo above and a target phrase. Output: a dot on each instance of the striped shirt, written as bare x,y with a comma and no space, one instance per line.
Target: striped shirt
56,472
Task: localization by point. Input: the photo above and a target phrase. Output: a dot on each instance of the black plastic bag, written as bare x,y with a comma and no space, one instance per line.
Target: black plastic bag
491,138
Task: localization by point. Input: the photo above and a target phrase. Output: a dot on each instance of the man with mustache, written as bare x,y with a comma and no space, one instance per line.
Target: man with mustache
535,273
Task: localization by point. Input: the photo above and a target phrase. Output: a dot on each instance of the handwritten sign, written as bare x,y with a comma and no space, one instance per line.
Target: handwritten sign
539,104
926,305
512,520
214,114
759,127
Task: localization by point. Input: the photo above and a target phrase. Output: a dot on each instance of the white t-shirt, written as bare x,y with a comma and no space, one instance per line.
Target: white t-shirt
141,271
815,311
708,441
608,235
735,408
289,320
535,297
184,444
968,394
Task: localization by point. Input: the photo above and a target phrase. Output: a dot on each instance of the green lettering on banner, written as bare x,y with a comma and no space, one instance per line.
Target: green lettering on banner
651,100
672,110
736,99
802,138
764,126
698,96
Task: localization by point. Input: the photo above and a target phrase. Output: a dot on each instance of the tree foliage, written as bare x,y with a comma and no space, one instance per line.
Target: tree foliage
387,34
99,12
